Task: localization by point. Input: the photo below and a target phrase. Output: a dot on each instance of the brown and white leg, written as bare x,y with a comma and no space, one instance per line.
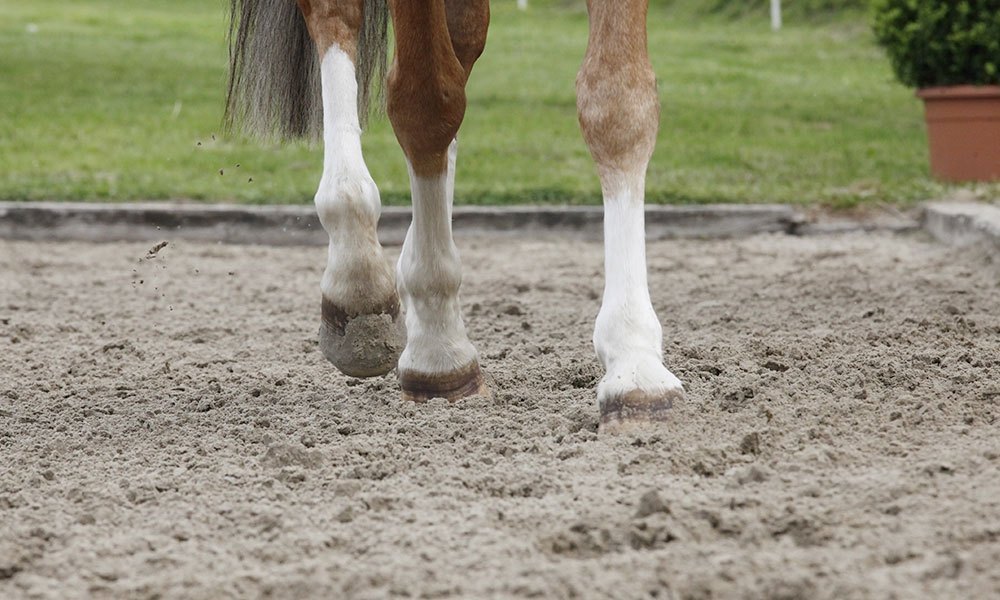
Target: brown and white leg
619,114
426,105
361,330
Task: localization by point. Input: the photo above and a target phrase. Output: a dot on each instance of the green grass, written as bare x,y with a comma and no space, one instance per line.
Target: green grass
118,101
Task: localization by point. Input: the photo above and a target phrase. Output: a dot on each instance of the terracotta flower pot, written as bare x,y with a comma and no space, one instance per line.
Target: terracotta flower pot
963,125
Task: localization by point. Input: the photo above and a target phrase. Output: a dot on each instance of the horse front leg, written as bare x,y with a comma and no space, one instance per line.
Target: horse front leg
361,330
618,109
426,105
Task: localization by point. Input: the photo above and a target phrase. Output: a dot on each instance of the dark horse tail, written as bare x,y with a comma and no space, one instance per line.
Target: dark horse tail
274,79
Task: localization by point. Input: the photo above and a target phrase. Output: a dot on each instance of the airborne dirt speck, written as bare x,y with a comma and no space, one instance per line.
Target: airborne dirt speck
840,438
152,252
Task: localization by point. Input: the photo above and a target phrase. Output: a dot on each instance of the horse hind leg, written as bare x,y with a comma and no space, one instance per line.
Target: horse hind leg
361,330
618,109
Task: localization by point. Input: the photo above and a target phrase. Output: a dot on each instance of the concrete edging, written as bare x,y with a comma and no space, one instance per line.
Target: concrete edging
963,223
957,223
298,225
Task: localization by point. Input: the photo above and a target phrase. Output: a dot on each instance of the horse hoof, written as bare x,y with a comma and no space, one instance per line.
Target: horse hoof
364,345
460,383
638,410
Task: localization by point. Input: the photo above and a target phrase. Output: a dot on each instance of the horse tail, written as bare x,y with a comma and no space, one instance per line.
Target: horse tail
274,76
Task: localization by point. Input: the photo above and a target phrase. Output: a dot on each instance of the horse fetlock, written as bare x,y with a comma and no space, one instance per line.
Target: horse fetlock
348,203
422,279
620,333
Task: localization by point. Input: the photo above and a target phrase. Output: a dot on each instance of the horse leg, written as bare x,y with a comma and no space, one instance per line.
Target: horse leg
618,109
426,105
468,22
361,331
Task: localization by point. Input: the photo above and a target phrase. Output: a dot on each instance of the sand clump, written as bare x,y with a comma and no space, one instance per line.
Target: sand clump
169,429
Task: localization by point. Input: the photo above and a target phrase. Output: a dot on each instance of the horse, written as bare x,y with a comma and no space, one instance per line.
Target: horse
313,68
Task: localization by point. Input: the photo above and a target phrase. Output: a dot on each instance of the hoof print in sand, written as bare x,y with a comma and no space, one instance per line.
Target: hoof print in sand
291,455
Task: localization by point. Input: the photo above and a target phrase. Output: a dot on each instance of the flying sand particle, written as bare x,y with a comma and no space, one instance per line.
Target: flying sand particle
155,249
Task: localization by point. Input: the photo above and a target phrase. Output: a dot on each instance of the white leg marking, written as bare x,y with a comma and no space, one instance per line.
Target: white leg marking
357,276
429,274
627,335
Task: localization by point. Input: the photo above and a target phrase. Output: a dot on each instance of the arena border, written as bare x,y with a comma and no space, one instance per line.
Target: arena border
298,224
963,223
958,223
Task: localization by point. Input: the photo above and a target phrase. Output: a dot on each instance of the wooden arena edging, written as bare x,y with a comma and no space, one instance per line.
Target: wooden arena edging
298,225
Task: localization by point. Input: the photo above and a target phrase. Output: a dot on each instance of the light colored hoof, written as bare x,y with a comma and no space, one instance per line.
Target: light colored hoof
638,411
460,383
362,345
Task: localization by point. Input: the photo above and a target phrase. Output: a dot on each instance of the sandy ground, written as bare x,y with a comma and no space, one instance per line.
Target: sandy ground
169,429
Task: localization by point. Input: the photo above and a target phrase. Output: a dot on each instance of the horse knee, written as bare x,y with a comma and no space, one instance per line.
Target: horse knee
619,112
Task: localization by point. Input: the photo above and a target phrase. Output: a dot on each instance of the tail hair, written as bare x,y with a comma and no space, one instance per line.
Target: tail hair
274,86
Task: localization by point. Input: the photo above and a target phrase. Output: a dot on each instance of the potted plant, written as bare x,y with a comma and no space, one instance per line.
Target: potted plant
950,52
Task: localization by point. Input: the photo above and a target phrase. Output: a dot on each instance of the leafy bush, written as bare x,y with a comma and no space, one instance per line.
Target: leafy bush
935,43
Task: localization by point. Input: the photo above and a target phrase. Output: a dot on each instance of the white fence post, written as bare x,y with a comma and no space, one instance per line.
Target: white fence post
775,15
522,4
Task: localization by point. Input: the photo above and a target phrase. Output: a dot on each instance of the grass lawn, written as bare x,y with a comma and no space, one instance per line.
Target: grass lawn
111,100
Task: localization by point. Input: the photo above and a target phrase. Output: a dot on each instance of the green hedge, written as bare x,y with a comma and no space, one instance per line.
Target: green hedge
935,43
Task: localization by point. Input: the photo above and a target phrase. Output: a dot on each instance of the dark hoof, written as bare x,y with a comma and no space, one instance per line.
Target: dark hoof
461,383
365,345
638,410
